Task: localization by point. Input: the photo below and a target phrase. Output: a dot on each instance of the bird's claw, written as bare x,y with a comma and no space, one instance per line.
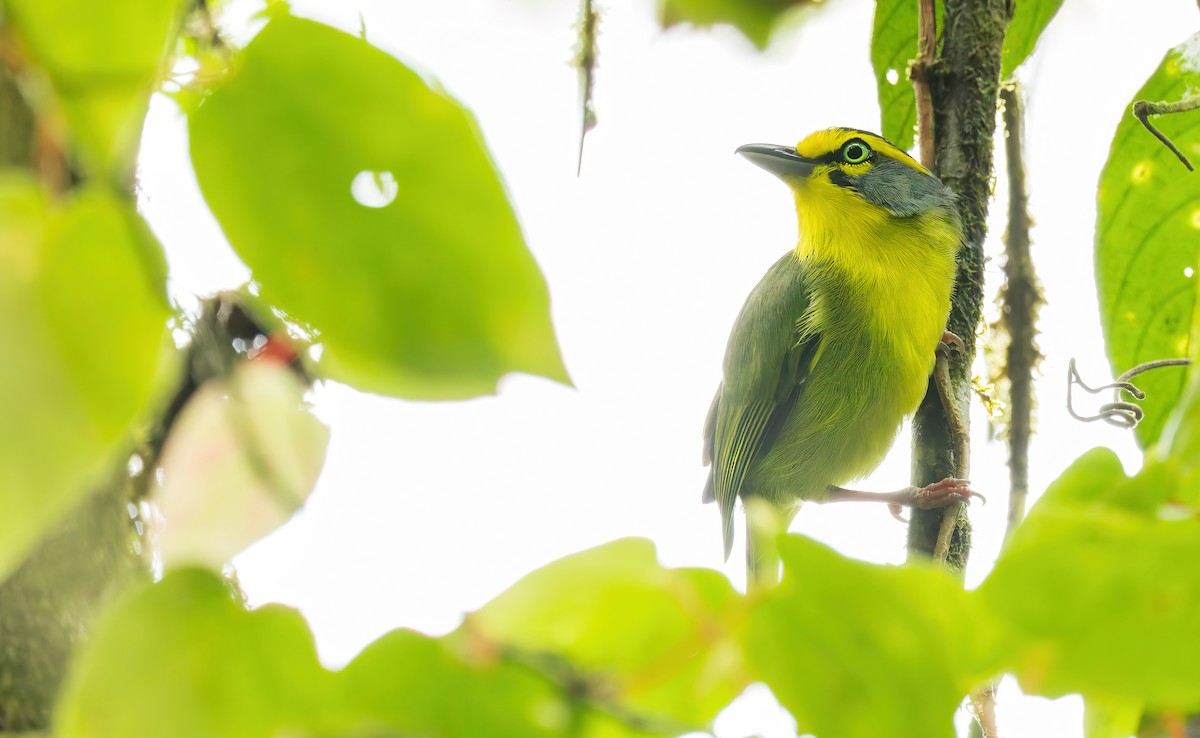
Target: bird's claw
951,340
941,494
894,508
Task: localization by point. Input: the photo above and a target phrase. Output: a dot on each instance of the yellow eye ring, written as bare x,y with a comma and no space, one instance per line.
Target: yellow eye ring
855,152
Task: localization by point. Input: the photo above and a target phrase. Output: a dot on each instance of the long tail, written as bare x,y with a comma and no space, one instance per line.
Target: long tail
764,524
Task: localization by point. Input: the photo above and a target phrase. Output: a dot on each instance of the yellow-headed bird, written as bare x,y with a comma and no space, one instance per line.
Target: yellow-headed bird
835,345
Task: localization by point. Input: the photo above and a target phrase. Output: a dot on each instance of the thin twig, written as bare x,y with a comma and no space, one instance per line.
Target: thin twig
1119,412
1021,299
962,451
983,707
1143,109
919,73
585,62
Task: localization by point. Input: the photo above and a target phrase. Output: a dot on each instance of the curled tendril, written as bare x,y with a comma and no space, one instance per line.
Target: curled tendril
1120,413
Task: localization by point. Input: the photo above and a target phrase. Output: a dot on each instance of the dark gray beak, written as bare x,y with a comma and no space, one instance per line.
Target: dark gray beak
782,161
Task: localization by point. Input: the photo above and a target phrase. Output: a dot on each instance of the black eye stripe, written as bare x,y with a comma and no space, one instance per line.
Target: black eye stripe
838,155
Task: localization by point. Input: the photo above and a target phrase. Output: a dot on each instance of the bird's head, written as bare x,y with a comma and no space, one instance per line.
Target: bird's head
848,168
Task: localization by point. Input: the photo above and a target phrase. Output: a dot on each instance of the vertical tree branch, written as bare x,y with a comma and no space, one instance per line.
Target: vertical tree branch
964,84
48,603
920,73
1020,299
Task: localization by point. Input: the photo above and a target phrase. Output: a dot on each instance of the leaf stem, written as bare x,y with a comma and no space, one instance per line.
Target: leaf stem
1143,109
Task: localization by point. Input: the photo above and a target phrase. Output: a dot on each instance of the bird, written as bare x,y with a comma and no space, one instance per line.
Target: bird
835,345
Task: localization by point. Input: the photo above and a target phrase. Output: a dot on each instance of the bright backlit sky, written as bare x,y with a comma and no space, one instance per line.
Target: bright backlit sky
425,511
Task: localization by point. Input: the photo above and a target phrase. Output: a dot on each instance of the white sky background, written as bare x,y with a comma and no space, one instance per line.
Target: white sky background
425,511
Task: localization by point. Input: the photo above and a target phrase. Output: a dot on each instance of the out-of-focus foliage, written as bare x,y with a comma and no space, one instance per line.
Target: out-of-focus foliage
199,665
368,208
390,235
104,60
894,47
243,456
853,649
82,322
756,19
1099,590
1147,228
655,641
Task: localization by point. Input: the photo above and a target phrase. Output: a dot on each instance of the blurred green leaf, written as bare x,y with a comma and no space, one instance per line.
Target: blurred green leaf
661,642
894,47
1029,19
200,665
423,289
181,658
1110,718
1101,599
417,685
854,649
83,314
756,19
242,457
105,59
1147,224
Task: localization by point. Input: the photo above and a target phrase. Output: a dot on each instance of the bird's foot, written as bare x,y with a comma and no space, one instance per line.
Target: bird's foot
950,340
938,495
929,497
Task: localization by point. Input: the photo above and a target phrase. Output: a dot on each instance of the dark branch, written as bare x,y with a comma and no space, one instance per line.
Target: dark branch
1020,299
1143,109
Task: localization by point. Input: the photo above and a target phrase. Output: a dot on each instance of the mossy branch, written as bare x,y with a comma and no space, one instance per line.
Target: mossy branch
1021,297
963,91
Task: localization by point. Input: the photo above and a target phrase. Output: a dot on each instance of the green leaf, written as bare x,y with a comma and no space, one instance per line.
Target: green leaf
1029,19
1101,599
1110,718
756,19
1147,222
200,666
894,47
417,685
240,674
82,306
661,642
105,59
854,649
433,295
242,457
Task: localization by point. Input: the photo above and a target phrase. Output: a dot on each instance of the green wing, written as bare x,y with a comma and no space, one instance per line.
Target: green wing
766,365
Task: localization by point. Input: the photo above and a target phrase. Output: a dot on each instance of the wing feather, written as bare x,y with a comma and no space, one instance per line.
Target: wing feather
766,366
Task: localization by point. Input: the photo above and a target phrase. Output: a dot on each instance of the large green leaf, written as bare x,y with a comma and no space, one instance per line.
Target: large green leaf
853,649
104,59
199,665
1147,228
429,294
1102,598
203,666
83,314
756,19
661,642
417,685
1029,19
1110,718
894,47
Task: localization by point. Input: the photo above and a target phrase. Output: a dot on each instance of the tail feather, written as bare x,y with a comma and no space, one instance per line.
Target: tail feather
765,522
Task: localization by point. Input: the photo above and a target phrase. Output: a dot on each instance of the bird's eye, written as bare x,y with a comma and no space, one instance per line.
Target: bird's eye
855,152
